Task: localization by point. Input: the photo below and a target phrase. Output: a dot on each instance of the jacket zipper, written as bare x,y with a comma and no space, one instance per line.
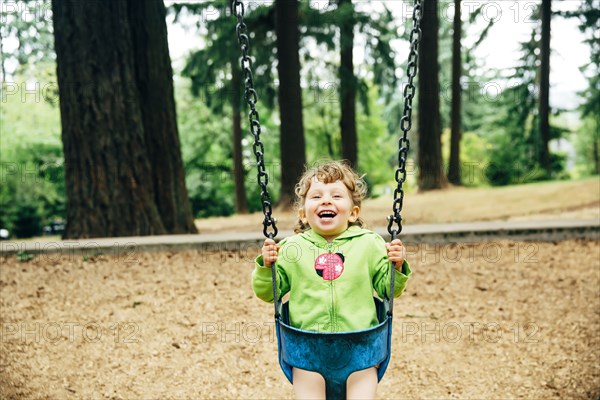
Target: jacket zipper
333,316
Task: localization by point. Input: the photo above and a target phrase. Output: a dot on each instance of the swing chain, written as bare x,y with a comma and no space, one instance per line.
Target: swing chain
251,97
406,121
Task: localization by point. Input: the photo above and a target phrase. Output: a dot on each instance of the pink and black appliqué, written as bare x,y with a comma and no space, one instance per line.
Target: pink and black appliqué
329,266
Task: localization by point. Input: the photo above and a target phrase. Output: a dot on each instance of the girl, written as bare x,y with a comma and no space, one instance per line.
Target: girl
330,268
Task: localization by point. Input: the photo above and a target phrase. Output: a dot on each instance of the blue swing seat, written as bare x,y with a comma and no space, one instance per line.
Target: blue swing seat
335,355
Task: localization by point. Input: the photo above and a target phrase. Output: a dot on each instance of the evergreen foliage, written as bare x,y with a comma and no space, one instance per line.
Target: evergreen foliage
500,131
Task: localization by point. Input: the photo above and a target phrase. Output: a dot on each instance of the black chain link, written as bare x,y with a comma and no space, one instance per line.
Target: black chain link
406,121
403,143
237,9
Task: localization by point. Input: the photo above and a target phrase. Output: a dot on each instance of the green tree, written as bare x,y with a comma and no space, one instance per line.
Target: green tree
588,136
334,28
544,86
517,144
514,133
32,188
32,192
222,52
431,175
348,82
463,106
477,108
29,24
455,120
216,78
292,147
2,56
124,174
206,153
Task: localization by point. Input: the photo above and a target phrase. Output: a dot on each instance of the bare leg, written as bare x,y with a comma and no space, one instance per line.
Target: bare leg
362,384
308,384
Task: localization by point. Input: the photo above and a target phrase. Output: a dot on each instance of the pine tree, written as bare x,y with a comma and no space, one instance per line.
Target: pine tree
431,174
455,120
123,168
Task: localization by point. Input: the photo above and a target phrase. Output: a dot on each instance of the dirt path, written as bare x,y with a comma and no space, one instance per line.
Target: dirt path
546,200
492,320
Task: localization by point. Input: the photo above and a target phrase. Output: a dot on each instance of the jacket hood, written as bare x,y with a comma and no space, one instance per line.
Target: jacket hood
352,231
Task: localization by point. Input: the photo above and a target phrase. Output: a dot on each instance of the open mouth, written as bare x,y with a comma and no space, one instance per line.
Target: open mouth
327,214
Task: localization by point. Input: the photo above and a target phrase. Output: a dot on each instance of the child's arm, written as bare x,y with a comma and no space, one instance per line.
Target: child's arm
261,276
390,252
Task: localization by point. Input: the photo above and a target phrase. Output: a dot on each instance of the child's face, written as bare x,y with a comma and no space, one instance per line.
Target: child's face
328,208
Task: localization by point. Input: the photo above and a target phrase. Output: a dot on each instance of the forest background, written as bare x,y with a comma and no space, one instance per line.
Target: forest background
501,86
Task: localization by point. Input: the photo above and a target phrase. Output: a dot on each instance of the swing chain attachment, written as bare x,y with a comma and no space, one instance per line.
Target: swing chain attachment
251,97
406,121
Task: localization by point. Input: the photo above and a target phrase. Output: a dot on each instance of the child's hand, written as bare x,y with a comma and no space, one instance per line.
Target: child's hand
269,252
396,252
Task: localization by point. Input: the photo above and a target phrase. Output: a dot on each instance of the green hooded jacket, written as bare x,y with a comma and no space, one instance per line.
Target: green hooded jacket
331,293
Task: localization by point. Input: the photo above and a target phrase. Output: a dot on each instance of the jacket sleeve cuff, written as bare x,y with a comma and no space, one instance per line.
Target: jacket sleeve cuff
401,278
261,270
261,281
405,270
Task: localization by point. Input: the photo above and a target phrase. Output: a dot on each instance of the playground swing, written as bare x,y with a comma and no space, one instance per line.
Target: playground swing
333,355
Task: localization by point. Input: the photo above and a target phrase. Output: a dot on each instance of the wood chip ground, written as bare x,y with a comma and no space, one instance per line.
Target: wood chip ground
492,320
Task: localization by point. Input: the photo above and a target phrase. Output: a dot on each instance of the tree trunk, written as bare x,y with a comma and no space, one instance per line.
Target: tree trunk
348,86
293,156
431,174
455,132
544,105
241,204
154,77
110,138
595,149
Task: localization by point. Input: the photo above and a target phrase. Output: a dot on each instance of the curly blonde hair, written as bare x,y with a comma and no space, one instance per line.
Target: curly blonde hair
329,172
